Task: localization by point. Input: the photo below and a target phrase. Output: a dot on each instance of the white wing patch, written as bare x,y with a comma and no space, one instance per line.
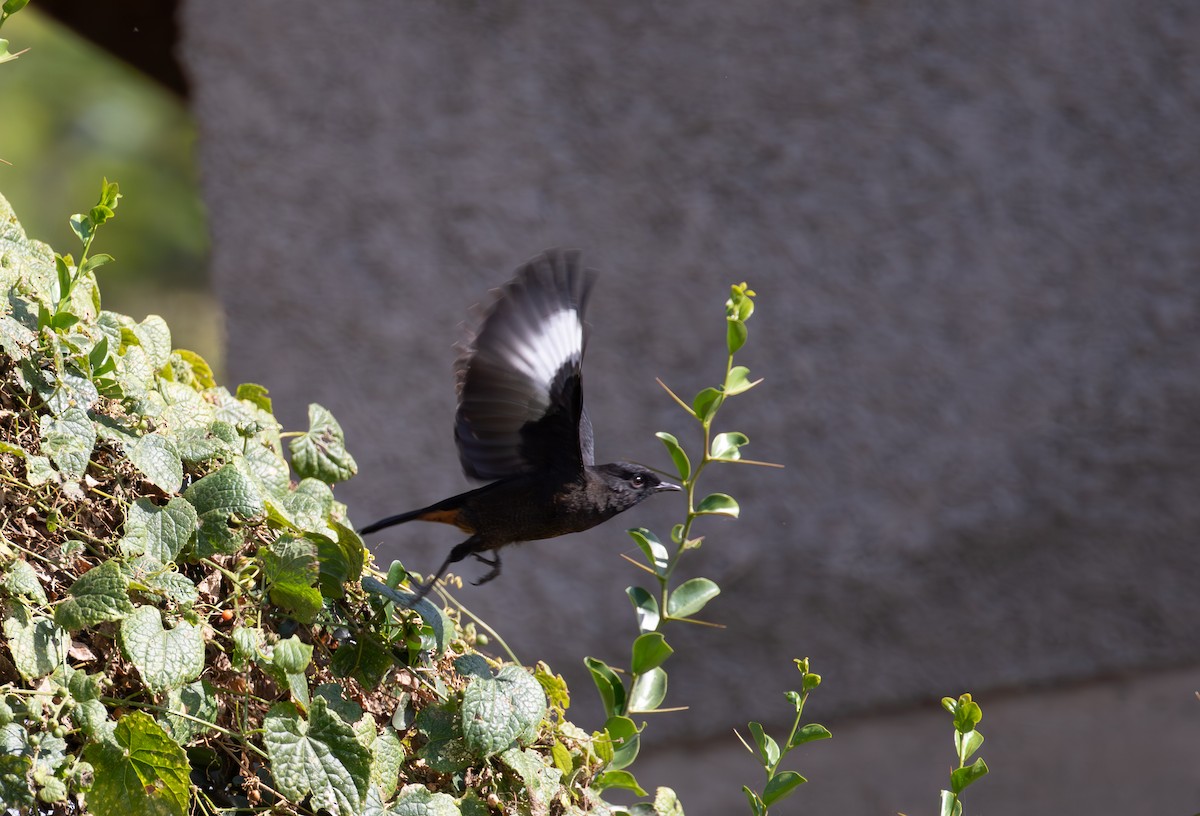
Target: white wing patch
546,348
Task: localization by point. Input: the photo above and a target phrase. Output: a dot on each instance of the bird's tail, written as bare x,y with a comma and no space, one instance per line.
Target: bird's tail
444,512
391,521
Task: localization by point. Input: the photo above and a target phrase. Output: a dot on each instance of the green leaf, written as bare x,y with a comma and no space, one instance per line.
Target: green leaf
621,780
960,778
781,785
725,446
341,559
656,554
13,6
706,403
418,800
20,578
441,626
365,658
140,771
626,741
292,655
309,506
768,748
690,597
612,691
94,262
444,749
318,756
165,658
540,782
967,744
502,711
735,335
68,440
808,733
678,456
950,805
158,459
160,532
196,700
154,336
228,491
321,453
738,381
15,790
82,227
256,395
645,607
38,646
290,576
649,690
39,471
718,504
649,651
100,594
387,758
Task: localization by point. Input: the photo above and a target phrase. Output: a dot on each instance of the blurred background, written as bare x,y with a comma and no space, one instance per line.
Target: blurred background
973,232
74,112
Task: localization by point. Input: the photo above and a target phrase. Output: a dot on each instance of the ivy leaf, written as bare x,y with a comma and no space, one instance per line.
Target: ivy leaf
198,700
160,532
68,439
228,491
140,771
36,643
500,711
158,459
154,336
165,658
320,452
418,800
290,574
318,756
100,594
20,578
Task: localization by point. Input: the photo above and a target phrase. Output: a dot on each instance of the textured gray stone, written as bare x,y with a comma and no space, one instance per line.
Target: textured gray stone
973,228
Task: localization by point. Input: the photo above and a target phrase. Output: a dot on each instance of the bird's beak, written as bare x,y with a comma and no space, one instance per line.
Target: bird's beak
666,486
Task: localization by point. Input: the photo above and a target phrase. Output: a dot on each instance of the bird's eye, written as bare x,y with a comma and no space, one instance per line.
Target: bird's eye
638,481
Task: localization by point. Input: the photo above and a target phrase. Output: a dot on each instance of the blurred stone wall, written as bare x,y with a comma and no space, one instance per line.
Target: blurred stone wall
973,230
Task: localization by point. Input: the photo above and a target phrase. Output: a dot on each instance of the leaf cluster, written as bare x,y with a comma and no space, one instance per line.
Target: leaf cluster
190,622
770,753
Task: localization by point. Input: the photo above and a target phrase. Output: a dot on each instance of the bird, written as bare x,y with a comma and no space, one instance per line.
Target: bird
521,425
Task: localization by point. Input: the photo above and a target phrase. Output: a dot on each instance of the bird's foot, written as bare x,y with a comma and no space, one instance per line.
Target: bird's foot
493,562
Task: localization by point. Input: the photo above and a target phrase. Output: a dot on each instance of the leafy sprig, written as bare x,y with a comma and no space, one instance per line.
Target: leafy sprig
770,753
967,739
670,601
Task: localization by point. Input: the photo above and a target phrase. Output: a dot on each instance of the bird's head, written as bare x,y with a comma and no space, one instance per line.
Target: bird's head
628,484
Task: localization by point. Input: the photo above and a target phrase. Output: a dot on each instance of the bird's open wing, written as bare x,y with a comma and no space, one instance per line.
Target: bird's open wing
520,395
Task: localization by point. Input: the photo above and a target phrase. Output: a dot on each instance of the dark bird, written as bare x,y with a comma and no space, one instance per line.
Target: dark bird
521,424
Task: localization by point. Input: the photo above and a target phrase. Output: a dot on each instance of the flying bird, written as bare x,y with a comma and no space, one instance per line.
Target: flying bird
522,426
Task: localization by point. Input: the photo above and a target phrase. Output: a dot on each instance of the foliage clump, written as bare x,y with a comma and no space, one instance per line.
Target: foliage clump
189,621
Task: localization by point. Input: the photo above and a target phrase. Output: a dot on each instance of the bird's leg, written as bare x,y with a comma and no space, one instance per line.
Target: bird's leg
460,552
493,562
